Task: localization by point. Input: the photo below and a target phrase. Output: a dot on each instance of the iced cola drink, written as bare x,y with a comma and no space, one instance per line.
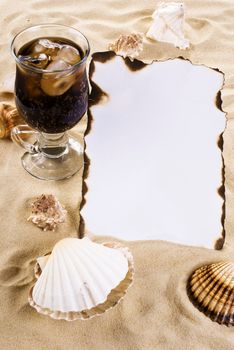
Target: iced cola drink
51,95
51,87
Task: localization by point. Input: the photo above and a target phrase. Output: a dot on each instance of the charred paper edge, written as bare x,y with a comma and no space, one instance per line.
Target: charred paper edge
98,95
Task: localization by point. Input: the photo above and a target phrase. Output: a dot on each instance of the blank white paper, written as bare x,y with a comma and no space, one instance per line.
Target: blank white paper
155,166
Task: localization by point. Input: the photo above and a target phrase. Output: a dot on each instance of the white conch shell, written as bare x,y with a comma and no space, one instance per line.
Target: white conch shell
81,279
168,25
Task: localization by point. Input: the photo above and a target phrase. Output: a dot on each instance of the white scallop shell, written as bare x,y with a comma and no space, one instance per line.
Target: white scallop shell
168,25
81,279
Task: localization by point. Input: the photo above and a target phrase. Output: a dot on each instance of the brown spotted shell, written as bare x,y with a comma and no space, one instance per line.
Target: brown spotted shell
9,117
211,289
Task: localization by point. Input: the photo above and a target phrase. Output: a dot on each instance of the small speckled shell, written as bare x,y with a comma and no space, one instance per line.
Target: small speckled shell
211,289
47,212
128,45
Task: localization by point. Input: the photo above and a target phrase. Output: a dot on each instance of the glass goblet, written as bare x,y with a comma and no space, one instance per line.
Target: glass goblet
51,96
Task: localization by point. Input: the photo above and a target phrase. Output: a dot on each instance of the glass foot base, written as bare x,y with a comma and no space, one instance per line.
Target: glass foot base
64,166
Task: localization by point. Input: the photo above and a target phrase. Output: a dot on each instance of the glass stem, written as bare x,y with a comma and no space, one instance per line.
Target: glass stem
53,145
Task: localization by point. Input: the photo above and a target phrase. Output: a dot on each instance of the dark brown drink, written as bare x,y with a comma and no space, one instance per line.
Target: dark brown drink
51,88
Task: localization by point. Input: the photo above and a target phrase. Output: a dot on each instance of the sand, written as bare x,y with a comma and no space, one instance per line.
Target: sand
156,312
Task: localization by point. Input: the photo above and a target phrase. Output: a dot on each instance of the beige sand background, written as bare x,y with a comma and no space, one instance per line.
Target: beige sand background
156,312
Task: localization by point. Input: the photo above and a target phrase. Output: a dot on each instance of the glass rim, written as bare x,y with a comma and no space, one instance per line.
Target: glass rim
40,70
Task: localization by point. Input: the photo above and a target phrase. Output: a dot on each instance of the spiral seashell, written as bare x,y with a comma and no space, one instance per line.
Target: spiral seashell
211,289
81,279
9,117
168,25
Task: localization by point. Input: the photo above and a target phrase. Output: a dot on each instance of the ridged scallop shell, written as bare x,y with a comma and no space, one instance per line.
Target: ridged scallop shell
211,289
9,117
168,24
81,279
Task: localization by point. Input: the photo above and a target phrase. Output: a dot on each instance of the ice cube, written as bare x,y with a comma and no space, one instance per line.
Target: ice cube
48,44
56,84
45,46
69,54
58,64
38,61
